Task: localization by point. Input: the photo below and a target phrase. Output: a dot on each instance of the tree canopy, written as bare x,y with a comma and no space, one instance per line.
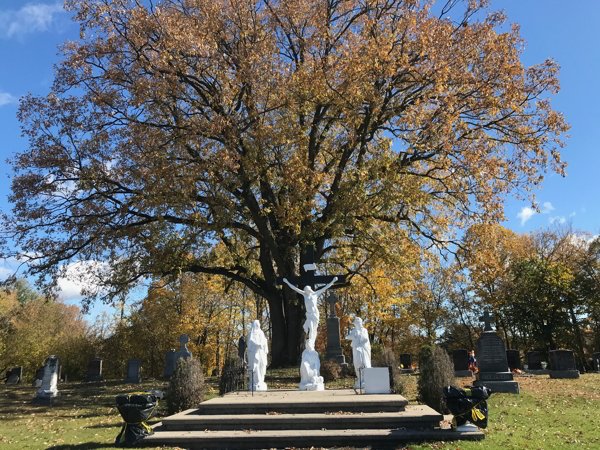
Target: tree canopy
215,136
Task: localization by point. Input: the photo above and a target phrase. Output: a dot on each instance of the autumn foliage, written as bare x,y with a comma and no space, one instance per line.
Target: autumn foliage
216,136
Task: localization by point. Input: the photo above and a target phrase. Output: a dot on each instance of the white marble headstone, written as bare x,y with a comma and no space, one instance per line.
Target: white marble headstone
376,380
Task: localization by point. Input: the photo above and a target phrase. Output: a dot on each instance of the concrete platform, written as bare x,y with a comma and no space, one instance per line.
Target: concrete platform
417,416
301,402
269,439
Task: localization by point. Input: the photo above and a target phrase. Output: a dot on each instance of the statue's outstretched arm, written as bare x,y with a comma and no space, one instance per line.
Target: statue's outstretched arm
327,286
292,287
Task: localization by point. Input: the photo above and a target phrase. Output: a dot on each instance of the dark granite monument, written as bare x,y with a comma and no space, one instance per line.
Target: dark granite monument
169,364
596,362
242,348
94,370
514,359
460,358
39,375
134,371
562,364
534,360
492,362
14,376
406,362
334,343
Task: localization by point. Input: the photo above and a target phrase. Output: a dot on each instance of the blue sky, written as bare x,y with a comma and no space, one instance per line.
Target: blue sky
566,31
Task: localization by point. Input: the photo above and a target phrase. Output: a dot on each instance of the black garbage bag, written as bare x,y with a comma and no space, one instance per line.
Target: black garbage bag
136,409
469,403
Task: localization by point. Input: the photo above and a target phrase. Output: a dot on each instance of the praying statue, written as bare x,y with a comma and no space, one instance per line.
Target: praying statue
310,378
258,347
361,347
312,311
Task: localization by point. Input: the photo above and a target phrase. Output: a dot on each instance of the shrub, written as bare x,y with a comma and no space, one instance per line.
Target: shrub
186,386
330,370
437,371
387,358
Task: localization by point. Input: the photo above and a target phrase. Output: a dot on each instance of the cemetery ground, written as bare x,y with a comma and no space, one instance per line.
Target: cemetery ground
549,413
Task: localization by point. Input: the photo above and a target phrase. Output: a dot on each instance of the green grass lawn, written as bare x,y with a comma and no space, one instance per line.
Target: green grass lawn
548,414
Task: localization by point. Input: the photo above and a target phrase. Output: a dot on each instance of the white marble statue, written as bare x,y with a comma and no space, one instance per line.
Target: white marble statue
361,348
310,378
258,347
312,310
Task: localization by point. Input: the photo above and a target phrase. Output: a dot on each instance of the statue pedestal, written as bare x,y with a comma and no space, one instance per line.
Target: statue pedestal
334,347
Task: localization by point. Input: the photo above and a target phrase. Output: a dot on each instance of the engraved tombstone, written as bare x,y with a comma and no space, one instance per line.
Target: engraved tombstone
169,363
460,358
39,374
48,392
14,376
514,359
534,360
134,371
95,370
562,364
492,362
334,343
406,362
596,362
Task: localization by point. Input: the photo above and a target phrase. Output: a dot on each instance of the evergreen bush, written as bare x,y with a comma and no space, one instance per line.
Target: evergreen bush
436,372
186,386
387,358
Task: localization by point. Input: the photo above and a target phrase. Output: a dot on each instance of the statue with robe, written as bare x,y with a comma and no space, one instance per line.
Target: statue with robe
258,348
361,347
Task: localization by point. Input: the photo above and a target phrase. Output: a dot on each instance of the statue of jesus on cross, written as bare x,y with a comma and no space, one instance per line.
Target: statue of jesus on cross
312,311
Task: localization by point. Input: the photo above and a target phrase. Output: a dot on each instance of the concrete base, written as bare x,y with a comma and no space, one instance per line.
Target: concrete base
46,400
501,387
538,371
286,418
463,374
133,380
90,378
564,374
257,387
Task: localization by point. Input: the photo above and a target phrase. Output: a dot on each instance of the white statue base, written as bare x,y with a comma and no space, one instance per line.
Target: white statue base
315,384
310,377
258,387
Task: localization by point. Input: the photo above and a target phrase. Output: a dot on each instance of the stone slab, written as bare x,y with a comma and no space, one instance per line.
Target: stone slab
463,374
501,387
377,380
46,401
564,374
382,438
415,416
293,401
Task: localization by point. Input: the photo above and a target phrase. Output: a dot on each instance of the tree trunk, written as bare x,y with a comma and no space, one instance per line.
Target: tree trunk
287,332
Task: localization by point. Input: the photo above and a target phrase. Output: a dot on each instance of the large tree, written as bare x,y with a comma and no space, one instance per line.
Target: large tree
262,124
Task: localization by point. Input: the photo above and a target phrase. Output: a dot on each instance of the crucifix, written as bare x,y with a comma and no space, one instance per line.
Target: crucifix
487,320
307,271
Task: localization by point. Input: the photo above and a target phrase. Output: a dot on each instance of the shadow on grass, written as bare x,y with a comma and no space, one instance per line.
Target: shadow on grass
85,446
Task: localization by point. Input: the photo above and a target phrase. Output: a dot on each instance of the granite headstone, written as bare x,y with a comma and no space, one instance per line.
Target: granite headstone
514,359
39,375
334,343
169,363
596,362
534,360
183,350
406,362
562,364
491,361
14,376
94,372
134,371
460,358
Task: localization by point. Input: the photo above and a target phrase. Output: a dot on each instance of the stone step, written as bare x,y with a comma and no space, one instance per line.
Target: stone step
301,402
381,438
417,416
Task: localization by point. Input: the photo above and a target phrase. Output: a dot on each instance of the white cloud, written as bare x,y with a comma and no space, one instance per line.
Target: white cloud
80,275
525,214
557,219
6,98
572,214
30,18
548,207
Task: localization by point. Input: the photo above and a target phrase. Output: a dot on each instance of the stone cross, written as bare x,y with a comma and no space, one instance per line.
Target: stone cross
487,320
332,300
183,340
308,269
